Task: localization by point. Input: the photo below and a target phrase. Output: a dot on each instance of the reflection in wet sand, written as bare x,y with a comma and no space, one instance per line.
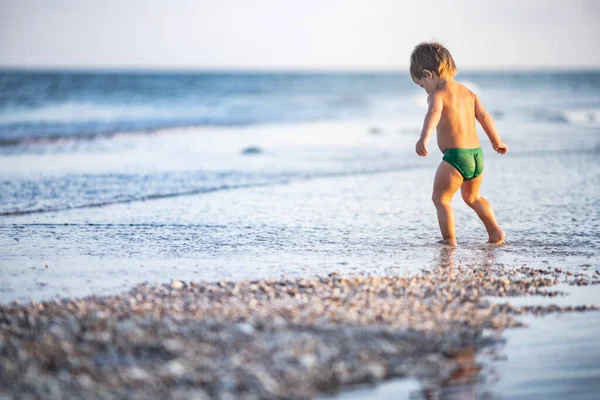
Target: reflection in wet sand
462,382
479,256
446,256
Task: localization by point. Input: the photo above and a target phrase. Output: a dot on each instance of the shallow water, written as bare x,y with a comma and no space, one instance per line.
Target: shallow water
80,217
538,362
340,212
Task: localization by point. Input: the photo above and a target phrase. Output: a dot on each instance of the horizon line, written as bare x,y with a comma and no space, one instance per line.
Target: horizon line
283,70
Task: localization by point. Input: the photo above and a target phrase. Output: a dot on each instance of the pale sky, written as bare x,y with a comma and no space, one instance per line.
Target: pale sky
296,34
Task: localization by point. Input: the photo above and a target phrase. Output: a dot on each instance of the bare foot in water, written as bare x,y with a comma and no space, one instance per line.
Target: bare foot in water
497,237
448,242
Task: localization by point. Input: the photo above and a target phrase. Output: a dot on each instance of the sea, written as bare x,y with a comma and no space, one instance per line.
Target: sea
109,179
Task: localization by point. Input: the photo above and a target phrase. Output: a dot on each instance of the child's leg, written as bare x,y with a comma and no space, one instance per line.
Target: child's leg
471,196
446,183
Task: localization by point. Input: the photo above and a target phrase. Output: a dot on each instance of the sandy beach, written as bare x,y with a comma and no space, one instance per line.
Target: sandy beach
239,200
299,260
290,338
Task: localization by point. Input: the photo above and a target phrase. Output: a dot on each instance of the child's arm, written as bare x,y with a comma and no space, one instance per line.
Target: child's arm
432,118
487,123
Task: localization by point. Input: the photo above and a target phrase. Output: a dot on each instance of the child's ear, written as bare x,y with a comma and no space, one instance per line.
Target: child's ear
427,73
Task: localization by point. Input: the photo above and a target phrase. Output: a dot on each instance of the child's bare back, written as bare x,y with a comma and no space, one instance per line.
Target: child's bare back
452,111
456,128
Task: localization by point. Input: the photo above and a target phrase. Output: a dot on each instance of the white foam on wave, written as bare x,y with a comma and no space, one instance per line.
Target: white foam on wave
420,100
283,146
587,117
89,112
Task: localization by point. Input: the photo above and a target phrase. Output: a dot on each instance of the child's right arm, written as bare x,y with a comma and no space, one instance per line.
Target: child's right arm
487,123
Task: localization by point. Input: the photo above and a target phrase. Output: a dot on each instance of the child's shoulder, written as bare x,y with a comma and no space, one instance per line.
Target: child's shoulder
458,90
462,89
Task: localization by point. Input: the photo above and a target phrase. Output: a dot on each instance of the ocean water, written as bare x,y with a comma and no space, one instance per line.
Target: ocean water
36,105
132,117
111,179
539,362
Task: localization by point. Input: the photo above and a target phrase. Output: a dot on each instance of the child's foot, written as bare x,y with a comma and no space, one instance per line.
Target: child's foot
448,242
497,237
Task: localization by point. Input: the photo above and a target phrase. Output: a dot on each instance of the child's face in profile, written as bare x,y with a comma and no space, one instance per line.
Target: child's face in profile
428,82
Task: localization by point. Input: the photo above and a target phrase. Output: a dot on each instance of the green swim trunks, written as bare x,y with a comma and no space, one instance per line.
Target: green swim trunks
469,162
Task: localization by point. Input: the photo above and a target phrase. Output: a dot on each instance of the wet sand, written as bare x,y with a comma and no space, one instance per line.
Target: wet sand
358,203
280,338
540,362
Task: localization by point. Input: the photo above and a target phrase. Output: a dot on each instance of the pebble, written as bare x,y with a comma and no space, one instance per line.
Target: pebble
288,338
308,361
245,328
177,284
174,368
252,150
137,374
376,371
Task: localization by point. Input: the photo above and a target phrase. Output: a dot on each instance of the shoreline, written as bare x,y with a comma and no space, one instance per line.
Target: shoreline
275,338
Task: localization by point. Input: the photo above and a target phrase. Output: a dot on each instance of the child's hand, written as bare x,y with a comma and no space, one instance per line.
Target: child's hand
502,148
421,148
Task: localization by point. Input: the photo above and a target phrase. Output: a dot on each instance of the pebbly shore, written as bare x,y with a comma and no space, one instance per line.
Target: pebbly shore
286,338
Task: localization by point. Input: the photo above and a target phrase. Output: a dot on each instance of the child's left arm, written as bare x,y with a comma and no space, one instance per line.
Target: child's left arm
432,118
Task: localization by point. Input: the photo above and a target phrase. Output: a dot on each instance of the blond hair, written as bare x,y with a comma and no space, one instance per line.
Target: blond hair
433,57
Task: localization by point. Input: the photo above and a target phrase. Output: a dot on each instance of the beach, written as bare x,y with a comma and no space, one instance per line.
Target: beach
295,255
270,339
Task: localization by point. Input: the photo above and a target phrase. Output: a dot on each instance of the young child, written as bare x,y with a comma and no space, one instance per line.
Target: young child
453,109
